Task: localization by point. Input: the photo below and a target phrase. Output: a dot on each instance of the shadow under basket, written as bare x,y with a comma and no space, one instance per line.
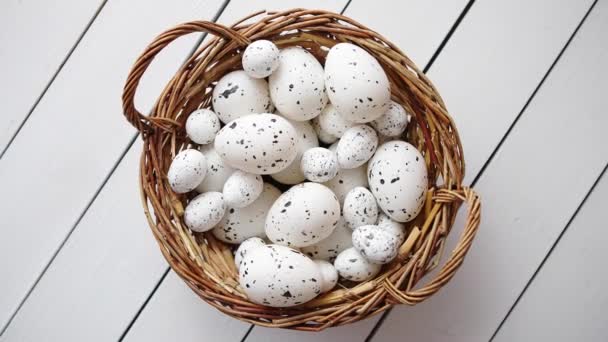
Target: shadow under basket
206,264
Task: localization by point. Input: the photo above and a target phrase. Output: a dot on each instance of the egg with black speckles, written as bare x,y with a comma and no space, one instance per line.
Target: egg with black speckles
360,208
303,215
242,188
393,122
323,135
259,143
346,179
332,122
319,164
217,171
202,125
244,248
397,177
261,58
329,248
307,139
204,211
356,146
351,265
239,224
187,170
377,245
393,227
356,83
237,94
279,276
297,87
329,275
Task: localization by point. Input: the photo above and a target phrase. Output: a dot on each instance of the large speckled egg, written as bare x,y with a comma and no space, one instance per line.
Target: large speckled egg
244,248
329,248
303,215
346,179
377,245
356,146
351,265
393,122
360,208
297,87
204,211
329,275
260,58
356,83
307,139
217,171
259,143
397,177
237,94
239,224
332,122
319,164
187,170
202,125
279,276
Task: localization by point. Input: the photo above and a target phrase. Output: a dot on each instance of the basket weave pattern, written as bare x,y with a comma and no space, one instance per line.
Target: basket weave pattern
206,264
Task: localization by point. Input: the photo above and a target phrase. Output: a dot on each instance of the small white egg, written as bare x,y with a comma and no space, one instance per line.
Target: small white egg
319,164
329,275
346,179
329,248
204,211
236,94
241,189
360,208
393,122
376,244
356,146
307,140
393,227
323,135
261,58
351,265
332,122
217,171
244,248
187,171
202,125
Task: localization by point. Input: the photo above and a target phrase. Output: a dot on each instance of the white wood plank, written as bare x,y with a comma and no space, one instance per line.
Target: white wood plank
568,298
74,137
35,38
531,188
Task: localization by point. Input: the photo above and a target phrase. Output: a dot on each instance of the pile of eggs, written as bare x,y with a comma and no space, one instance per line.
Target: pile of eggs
286,119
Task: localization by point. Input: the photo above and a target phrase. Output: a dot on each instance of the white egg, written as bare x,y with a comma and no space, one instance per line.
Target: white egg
319,164
236,95
346,179
303,215
393,122
307,140
323,135
377,245
351,265
202,125
297,88
260,143
356,83
261,58
217,171
356,146
244,248
239,224
360,208
393,227
397,177
279,276
332,122
329,248
241,189
187,171
204,211
329,275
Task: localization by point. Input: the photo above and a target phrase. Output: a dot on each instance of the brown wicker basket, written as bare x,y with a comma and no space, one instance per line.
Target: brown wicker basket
206,264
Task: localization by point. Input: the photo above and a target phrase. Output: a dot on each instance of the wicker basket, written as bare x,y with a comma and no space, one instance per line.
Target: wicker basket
207,264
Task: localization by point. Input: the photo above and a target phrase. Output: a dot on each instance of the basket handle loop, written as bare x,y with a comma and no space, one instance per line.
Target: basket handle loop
142,122
450,267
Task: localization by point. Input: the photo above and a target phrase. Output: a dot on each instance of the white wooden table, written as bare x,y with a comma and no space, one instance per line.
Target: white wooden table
526,82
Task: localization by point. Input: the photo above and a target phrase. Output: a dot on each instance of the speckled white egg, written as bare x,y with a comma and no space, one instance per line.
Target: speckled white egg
242,188
244,248
307,139
237,94
217,171
319,164
332,122
377,245
393,122
329,248
239,224
303,215
397,177
204,211
346,179
279,276
393,227
351,265
356,83
360,208
324,136
187,170
202,125
297,87
261,58
258,143
329,275
356,146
